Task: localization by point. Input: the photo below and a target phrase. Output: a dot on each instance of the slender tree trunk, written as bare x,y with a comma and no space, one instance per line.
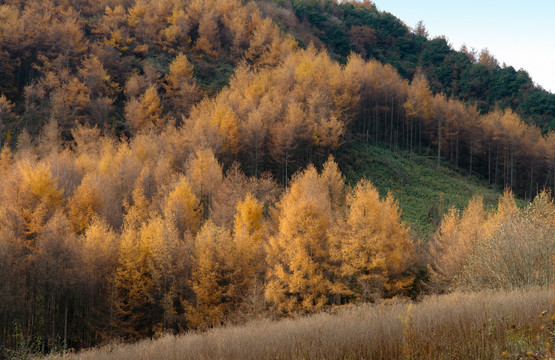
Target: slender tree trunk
53,345
531,179
438,143
65,326
419,136
471,145
376,122
489,163
411,137
457,150
512,166
363,117
286,178
391,126
497,164
397,125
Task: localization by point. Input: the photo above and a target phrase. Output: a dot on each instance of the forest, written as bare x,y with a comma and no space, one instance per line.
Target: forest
174,165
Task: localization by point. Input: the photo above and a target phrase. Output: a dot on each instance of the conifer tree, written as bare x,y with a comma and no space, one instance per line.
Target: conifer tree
181,90
375,247
183,208
456,239
247,259
300,270
210,278
146,111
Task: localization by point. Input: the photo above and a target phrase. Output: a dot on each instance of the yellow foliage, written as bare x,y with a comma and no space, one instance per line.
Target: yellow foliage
225,120
506,208
248,219
138,213
85,202
299,265
100,250
133,283
39,195
375,247
419,101
210,277
204,173
180,70
456,239
183,208
145,112
333,179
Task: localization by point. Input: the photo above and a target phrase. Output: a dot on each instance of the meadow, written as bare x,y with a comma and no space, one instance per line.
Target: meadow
484,325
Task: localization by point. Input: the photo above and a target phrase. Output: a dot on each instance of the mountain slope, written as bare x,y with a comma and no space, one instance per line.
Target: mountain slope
424,193
477,78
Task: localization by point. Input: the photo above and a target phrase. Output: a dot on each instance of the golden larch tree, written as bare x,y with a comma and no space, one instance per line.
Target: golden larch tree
247,259
455,240
183,208
181,89
376,250
299,265
210,277
145,112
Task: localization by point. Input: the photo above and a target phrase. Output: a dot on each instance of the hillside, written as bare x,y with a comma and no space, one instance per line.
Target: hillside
424,193
125,72
476,78
175,165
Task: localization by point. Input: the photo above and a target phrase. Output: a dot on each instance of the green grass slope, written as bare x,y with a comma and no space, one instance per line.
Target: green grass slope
423,191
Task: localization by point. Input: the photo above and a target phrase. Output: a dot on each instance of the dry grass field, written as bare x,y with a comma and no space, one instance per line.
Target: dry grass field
485,325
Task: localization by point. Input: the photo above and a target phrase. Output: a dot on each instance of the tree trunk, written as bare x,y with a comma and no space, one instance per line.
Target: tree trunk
438,142
470,171
65,326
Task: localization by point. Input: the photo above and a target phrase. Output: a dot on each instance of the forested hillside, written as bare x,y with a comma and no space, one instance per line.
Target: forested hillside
169,165
470,75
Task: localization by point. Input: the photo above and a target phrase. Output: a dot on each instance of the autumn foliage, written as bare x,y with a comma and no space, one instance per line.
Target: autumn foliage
127,238
166,165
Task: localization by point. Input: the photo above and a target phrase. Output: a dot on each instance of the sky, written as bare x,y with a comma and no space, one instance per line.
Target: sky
520,33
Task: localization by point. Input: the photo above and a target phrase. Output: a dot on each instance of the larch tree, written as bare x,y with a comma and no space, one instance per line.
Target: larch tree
6,116
181,89
144,295
99,251
210,277
300,270
375,249
208,40
247,259
226,122
455,240
145,112
163,241
506,208
233,190
38,196
183,208
205,176
418,106
334,181
86,201
102,90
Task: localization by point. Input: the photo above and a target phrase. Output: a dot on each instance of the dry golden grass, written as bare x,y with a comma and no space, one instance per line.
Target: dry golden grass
485,325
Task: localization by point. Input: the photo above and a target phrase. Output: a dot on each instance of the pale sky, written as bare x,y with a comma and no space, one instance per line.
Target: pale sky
518,33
